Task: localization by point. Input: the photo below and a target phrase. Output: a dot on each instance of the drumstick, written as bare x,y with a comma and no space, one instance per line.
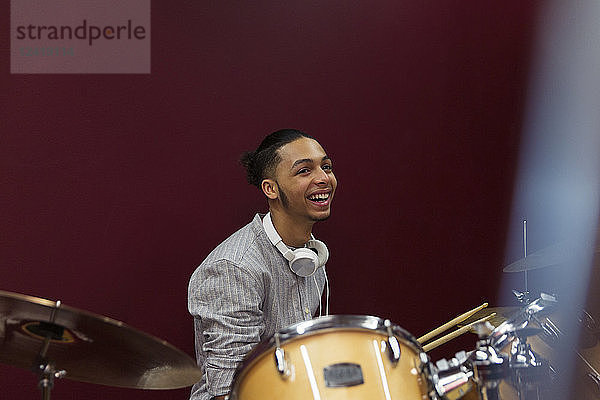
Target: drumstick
450,324
456,333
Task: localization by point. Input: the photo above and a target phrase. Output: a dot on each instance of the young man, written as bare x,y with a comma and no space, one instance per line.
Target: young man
246,289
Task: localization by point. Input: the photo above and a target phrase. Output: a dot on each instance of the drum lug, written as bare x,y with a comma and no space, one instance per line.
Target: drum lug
393,343
280,361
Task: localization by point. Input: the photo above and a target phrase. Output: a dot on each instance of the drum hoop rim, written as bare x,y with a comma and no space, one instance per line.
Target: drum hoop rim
316,325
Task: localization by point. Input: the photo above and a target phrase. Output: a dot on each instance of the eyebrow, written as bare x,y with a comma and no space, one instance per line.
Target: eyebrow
303,160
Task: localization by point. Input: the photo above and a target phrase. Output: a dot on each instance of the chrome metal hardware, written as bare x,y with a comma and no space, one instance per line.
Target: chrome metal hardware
46,370
529,372
595,381
489,368
551,333
526,317
393,343
280,361
452,379
587,321
522,297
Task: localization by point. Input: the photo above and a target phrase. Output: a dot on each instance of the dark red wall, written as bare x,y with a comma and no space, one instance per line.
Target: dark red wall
114,187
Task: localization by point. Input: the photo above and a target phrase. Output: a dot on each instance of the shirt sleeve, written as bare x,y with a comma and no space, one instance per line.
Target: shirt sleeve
225,301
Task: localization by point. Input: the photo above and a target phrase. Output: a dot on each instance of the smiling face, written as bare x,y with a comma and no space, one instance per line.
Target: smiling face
304,183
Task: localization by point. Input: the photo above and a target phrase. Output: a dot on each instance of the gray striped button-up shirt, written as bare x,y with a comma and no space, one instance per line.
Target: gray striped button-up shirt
241,294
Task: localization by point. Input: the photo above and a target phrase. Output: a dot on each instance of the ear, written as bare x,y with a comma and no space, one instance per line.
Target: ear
270,188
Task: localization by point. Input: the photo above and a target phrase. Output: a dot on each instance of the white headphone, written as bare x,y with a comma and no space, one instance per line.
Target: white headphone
302,261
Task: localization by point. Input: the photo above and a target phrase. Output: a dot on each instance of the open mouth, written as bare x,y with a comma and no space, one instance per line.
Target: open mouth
319,198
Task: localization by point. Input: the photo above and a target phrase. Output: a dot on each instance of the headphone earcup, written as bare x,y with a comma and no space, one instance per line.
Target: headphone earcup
305,262
322,251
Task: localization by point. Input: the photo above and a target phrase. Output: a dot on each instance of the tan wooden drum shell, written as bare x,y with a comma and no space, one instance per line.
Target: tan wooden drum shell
308,354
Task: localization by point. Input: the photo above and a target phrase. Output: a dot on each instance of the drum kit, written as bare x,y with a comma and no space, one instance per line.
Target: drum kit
333,357
364,357
521,353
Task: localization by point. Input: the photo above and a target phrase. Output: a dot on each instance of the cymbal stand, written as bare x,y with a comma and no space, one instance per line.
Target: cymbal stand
526,293
44,367
47,375
530,373
524,296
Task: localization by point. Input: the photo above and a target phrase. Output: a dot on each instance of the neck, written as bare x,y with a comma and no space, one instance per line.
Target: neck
293,233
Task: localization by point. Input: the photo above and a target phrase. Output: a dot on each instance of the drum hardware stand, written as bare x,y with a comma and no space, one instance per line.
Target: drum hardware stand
43,366
524,296
47,375
392,343
489,368
280,361
525,253
528,370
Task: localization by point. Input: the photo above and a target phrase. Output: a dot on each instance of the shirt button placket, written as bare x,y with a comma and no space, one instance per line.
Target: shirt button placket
304,301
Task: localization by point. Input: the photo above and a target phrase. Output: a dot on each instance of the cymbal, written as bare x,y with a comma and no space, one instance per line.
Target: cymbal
89,347
559,254
502,314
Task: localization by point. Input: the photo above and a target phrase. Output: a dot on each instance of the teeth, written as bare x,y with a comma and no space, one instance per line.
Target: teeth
320,196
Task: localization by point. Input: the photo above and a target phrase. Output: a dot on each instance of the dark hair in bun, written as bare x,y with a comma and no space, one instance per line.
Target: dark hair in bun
261,163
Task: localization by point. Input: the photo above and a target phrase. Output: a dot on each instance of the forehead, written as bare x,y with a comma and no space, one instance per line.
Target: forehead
300,149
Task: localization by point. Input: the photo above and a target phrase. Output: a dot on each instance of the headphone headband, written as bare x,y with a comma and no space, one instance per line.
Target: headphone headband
303,261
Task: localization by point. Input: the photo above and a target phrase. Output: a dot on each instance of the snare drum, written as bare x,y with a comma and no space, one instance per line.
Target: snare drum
335,357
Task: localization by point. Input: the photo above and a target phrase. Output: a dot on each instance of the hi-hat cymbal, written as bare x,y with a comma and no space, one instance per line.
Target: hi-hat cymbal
89,347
